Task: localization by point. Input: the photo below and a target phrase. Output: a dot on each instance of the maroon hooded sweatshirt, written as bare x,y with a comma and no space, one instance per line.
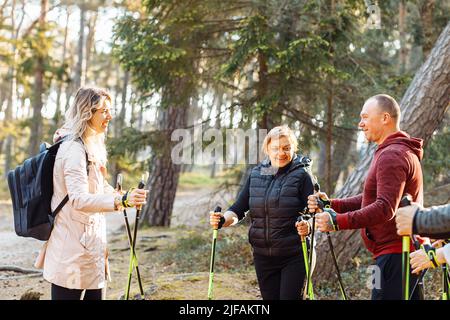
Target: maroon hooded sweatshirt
395,170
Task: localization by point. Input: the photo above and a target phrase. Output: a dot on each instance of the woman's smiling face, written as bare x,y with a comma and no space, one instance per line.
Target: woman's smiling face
280,151
101,117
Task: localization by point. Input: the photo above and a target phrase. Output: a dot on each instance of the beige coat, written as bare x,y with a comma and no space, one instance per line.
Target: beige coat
75,256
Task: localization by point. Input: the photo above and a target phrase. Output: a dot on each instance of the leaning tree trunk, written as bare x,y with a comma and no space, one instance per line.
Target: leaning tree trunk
423,107
163,180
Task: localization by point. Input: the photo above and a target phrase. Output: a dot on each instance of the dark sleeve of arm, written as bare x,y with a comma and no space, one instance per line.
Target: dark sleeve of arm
306,188
241,206
391,175
433,222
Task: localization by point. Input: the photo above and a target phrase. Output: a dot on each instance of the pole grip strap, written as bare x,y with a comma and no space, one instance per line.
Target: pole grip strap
431,254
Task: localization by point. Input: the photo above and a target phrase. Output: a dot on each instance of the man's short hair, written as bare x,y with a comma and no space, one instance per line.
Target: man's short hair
388,104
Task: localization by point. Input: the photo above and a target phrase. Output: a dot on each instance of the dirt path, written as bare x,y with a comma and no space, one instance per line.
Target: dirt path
190,209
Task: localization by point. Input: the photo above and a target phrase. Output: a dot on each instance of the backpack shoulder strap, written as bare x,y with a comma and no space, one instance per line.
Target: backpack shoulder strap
66,198
59,207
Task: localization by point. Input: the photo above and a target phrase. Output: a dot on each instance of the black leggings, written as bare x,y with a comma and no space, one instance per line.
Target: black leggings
61,293
390,276
280,278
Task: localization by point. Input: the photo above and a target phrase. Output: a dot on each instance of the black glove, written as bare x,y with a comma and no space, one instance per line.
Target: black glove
126,197
333,220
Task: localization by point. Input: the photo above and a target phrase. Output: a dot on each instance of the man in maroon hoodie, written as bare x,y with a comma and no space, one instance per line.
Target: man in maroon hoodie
395,170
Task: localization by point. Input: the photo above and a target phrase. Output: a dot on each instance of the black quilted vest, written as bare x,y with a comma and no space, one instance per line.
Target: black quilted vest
274,207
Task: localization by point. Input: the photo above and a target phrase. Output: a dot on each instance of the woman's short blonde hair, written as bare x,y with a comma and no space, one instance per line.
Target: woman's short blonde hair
87,100
278,132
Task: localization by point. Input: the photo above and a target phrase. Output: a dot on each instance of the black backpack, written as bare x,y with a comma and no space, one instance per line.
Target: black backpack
31,188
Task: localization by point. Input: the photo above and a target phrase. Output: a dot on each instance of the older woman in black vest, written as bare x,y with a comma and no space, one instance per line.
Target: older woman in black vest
276,191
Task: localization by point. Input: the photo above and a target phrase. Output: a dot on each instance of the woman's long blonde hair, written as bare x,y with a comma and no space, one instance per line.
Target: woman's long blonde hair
87,100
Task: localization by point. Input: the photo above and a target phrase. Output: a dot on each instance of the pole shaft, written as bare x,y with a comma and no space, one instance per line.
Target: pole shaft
311,249
341,285
405,267
309,291
211,265
445,282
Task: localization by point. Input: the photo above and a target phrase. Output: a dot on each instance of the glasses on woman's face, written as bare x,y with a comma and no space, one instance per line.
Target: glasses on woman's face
105,109
106,112
280,149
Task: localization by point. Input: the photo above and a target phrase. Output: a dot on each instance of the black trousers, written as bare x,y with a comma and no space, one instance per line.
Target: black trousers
390,267
61,293
280,278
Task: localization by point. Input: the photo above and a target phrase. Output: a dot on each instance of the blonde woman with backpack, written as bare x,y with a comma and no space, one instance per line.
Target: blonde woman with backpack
74,258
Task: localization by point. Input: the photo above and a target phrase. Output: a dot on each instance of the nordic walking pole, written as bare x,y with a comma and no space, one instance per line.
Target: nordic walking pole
133,260
213,253
422,274
309,289
419,280
445,280
326,204
130,239
311,249
406,201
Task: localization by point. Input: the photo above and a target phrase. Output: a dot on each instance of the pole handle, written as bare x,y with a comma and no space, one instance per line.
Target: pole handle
141,185
406,200
119,181
217,209
322,203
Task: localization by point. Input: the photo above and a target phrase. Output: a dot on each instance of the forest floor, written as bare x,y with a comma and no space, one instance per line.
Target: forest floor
173,262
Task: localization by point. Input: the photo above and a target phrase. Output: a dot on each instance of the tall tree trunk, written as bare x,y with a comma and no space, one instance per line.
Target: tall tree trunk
219,102
194,114
141,117
329,137
90,42
36,127
261,87
401,27
163,180
264,121
423,107
322,162
341,148
330,102
119,122
58,112
133,108
426,16
79,77
12,92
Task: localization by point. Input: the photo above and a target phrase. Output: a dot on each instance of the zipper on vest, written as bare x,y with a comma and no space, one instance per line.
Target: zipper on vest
267,216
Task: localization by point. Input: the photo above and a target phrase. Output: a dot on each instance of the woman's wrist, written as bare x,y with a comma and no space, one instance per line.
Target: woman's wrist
117,202
440,256
230,218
